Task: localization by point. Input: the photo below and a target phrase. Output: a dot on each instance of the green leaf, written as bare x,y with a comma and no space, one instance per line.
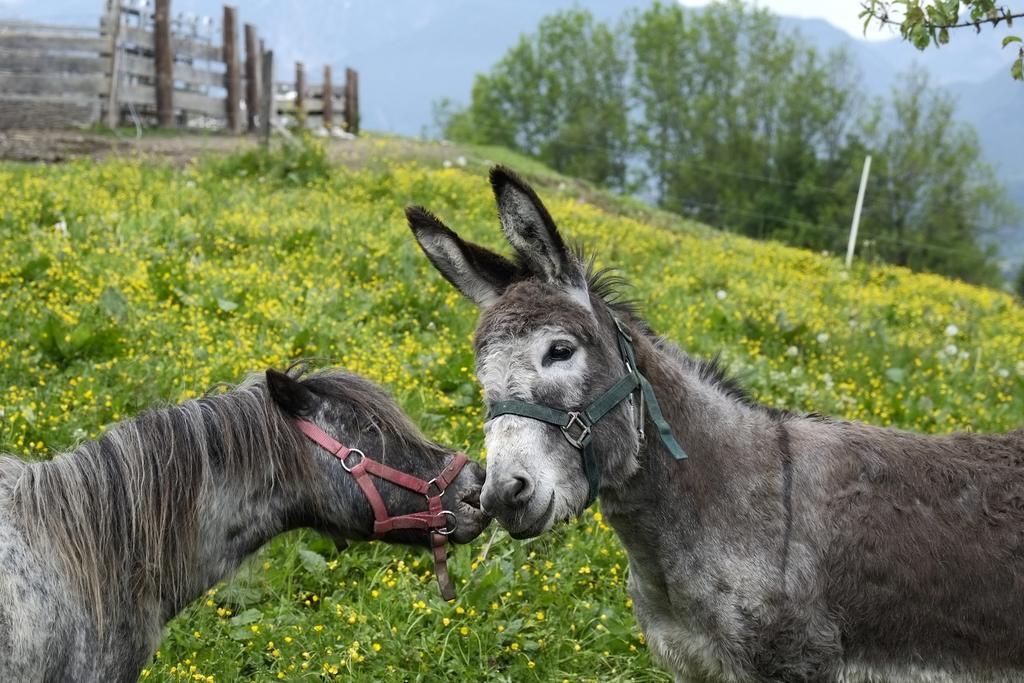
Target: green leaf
34,268
943,36
226,305
312,561
82,336
114,303
239,593
896,375
249,616
1017,70
1010,39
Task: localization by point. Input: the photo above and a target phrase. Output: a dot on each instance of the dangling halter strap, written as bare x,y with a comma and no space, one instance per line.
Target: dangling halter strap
577,426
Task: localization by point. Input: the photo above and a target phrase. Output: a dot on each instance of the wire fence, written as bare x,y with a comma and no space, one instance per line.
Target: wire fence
873,203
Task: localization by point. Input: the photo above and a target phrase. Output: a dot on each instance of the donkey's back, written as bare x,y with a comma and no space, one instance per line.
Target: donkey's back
42,626
923,554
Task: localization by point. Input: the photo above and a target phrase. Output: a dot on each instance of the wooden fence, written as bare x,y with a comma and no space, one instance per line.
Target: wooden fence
320,105
51,76
147,67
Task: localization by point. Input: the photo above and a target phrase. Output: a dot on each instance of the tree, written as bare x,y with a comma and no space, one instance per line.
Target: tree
928,22
931,198
559,95
739,123
1020,283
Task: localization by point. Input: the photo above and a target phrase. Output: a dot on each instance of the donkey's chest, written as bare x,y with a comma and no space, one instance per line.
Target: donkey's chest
725,617
691,627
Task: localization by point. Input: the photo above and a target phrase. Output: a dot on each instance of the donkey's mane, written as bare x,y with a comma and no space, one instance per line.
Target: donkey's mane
121,514
609,285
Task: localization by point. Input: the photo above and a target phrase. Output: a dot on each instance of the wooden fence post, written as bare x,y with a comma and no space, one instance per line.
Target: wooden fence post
164,64
267,97
300,93
252,61
112,30
328,99
352,101
232,77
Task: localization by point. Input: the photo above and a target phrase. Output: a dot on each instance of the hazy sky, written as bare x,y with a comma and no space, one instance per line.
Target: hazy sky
841,13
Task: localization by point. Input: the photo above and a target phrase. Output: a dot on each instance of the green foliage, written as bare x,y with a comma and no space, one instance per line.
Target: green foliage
936,221
928,22
721,115
558,94
1019,286
739,124
294,162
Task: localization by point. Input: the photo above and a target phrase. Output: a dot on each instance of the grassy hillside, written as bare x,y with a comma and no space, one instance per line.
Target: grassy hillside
128,284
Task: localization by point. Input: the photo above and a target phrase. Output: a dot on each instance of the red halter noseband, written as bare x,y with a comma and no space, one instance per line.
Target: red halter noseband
434,519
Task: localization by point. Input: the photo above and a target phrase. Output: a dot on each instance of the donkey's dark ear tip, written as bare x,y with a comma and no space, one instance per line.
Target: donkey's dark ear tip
289,393
420,219
503,175
277,382
415,214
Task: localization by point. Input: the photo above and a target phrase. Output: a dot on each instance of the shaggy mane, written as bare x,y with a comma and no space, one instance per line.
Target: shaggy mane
610,286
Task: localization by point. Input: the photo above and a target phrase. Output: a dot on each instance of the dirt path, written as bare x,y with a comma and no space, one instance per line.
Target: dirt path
51,146
62,145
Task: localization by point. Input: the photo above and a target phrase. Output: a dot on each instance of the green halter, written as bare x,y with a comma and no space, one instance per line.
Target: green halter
577,426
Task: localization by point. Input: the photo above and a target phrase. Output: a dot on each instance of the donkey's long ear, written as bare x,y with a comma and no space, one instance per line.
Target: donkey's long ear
291,395
478,273
529,228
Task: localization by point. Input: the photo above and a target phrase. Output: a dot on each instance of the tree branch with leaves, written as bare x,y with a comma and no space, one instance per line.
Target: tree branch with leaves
929,22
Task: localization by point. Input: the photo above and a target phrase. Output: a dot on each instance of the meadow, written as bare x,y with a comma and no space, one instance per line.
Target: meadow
132,283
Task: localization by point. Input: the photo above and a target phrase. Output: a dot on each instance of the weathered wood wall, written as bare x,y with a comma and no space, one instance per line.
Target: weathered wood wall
153,69
50,76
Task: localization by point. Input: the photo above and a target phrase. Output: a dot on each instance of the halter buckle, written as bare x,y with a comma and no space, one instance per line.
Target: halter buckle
576,421
344,461
446,530
438,491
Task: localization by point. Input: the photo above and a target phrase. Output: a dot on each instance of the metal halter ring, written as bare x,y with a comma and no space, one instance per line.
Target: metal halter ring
437,487
344,463
445,530
576,421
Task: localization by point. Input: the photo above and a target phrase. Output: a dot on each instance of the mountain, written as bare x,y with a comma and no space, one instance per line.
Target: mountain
411,53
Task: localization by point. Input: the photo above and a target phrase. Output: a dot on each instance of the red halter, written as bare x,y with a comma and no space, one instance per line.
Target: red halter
434,519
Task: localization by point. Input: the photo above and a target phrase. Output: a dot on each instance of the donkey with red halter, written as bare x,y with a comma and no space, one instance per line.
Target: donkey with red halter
100,547
763,545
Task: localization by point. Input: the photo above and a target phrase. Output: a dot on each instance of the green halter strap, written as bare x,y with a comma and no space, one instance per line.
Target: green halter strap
577,426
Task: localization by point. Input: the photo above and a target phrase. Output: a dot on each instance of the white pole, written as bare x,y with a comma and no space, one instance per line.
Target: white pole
856,210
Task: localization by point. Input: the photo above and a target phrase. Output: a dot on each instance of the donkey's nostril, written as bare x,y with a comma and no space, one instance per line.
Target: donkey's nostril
520,489
505,495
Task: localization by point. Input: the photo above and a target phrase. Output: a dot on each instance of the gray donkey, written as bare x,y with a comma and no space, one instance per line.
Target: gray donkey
100,547
763,545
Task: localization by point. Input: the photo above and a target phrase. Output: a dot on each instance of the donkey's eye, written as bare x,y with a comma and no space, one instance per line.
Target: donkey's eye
559,351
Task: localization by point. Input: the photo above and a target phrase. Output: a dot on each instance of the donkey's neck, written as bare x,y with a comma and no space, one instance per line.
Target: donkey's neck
233,522
713,425
147,518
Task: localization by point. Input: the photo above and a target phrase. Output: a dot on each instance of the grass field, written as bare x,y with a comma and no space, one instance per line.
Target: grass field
128,284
